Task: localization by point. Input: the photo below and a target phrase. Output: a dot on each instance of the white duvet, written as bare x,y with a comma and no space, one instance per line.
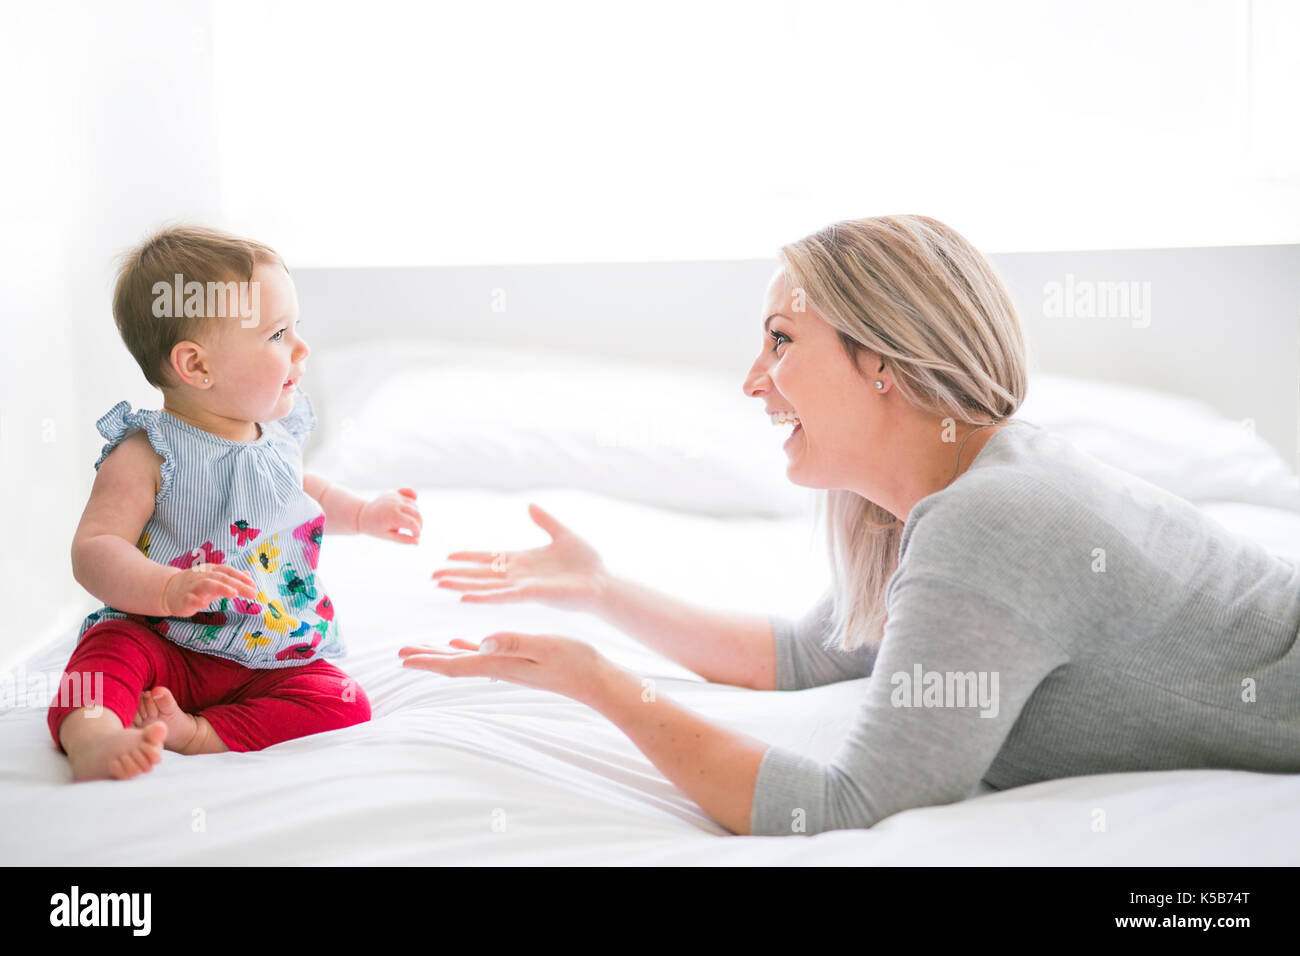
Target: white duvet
466,771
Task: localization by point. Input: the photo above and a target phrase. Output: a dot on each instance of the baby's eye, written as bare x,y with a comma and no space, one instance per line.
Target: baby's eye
776,338
276,337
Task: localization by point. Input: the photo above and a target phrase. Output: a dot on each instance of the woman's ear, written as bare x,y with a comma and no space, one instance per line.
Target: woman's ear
189,364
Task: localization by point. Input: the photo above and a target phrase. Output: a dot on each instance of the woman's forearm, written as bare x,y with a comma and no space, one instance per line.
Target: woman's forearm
117,573
720,646
714,766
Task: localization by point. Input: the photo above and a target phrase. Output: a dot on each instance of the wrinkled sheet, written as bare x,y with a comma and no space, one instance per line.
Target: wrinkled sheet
467,771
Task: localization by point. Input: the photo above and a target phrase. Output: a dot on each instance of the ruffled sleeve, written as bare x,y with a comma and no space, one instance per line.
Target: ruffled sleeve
120,421
301,420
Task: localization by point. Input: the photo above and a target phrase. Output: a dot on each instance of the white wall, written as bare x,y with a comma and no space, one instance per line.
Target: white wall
437,134
522,132
109,130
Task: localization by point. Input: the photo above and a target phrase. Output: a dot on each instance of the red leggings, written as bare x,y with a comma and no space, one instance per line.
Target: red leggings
249,709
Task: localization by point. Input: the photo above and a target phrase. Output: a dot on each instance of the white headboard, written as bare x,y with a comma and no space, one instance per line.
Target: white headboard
1218,324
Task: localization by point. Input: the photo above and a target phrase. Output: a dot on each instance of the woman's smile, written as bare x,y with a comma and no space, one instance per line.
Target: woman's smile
785,416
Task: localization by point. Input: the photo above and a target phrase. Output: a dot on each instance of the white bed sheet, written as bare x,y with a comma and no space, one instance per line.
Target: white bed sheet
472,772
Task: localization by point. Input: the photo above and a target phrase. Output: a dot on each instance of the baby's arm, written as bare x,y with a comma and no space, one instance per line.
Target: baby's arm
342,508
383,517
106,561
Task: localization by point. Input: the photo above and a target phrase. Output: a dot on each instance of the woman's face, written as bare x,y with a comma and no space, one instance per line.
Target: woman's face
802,368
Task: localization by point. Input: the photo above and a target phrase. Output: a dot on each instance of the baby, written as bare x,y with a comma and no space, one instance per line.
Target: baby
202,533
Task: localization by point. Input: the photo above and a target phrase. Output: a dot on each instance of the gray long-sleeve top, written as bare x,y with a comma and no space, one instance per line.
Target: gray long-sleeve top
1051,616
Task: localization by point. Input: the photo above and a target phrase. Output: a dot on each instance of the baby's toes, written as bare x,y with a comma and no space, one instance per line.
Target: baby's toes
121,768
148,710
154,736
141,758
146,757
135,762
163,703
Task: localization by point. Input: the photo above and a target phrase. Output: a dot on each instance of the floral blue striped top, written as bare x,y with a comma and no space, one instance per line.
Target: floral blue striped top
239,503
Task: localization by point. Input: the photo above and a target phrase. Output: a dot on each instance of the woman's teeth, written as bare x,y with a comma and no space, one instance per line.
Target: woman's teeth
784,418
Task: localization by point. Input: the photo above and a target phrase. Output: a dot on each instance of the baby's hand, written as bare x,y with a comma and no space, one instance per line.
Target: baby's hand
194,590
390,514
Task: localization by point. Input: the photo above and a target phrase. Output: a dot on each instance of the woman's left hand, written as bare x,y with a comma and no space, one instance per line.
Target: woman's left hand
559,664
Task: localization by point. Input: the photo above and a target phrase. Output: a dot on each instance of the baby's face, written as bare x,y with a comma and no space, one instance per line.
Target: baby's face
255,368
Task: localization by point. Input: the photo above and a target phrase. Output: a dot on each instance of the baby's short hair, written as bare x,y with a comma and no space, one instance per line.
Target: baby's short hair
149,319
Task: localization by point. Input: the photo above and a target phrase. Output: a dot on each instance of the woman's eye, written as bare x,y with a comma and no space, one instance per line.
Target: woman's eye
776,338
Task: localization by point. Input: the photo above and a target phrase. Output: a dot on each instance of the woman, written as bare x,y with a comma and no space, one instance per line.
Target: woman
1024,611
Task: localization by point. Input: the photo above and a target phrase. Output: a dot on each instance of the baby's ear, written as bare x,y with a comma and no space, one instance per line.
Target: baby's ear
189,365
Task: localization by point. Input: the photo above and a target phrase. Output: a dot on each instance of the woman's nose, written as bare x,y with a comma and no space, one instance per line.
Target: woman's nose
755,379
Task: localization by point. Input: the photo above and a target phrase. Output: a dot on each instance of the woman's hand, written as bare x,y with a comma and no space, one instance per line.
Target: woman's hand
558,664
714,766
567,573
391,514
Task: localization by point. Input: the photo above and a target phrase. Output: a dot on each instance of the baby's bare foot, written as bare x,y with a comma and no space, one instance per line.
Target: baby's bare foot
158,704
117,754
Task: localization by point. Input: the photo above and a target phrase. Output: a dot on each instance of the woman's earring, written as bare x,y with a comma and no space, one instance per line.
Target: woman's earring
205,382
878,384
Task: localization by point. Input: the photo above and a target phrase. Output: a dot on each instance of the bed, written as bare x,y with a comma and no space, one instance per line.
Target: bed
682,488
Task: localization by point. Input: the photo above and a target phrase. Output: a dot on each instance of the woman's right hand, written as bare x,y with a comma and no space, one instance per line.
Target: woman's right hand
189,592
567,573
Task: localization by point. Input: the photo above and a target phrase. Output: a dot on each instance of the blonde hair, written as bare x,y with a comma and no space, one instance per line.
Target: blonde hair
915,291
197,253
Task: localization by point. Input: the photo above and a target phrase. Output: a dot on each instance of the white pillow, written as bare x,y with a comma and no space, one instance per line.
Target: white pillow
412,413
409,412
1180,444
